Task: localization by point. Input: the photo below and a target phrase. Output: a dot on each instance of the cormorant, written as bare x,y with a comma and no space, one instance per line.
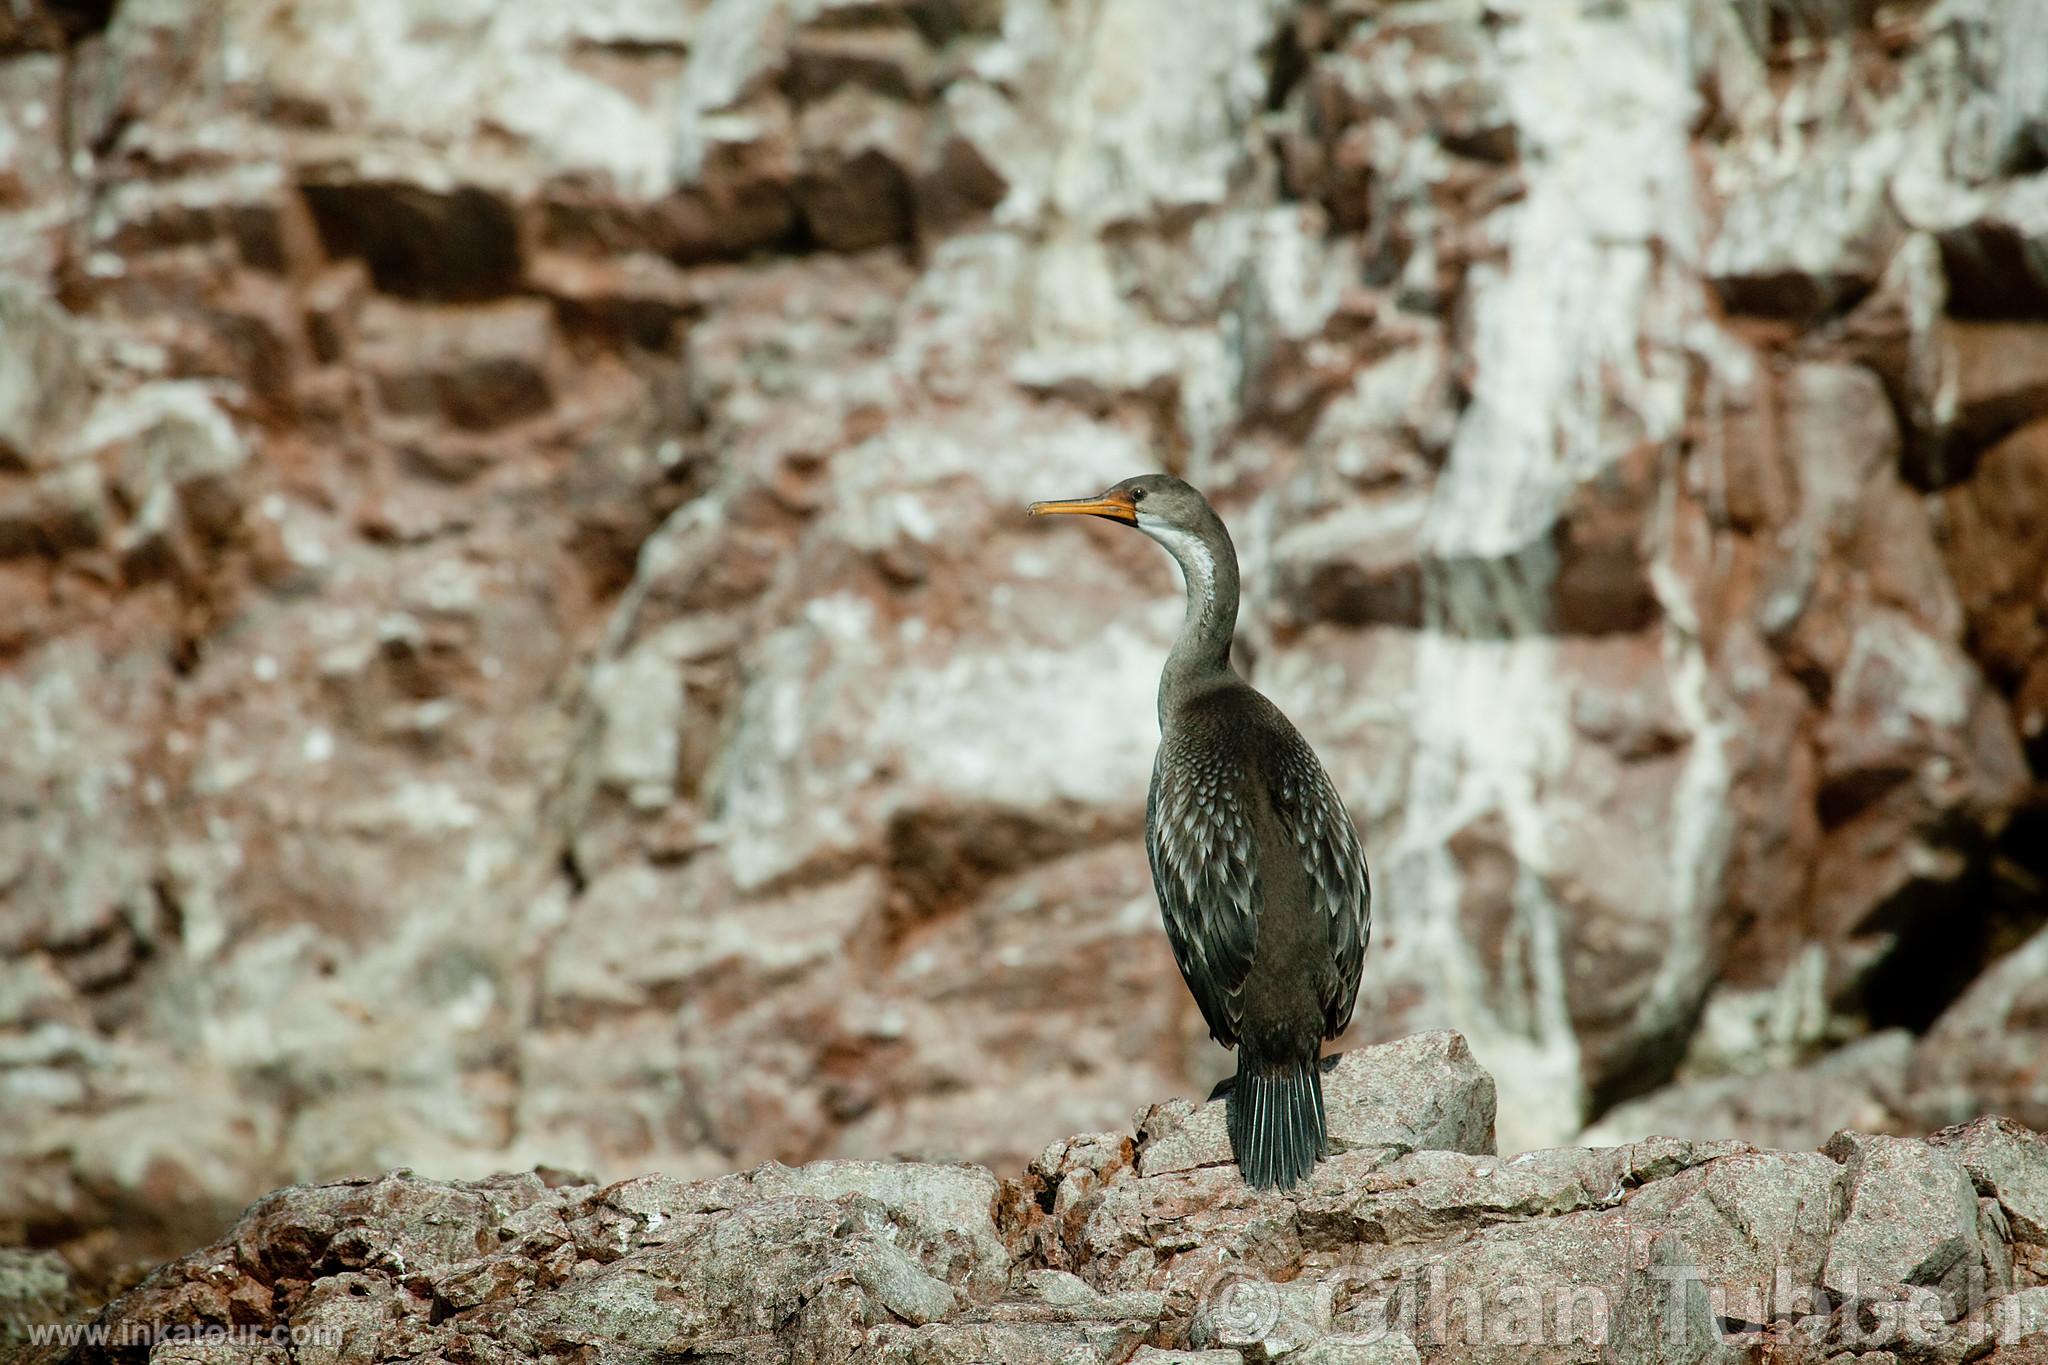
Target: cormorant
1260,878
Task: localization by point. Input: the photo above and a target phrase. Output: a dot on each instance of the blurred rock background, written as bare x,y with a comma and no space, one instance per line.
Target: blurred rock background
518,642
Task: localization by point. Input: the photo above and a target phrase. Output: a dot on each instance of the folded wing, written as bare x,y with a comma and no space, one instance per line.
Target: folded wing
1308,806
1199,834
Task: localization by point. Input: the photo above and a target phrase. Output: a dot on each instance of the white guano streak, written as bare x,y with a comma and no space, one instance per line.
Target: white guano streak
1579,353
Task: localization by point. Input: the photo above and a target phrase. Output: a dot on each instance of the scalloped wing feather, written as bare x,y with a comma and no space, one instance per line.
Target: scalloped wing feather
1309,807
1199,836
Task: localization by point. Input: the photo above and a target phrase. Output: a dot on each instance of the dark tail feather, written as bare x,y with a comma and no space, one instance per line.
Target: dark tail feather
1275,1117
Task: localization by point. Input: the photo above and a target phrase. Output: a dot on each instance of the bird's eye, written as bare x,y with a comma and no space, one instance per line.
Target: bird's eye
1137,495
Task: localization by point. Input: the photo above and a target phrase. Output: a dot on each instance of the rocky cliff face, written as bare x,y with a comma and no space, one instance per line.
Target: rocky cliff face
1413,1243
520,645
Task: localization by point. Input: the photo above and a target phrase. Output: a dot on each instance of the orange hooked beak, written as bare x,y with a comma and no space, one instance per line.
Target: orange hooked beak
1117,506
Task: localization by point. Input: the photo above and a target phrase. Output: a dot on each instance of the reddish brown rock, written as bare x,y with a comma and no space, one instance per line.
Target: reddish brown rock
1359,567
893,62
520,645
475,369
859,158
44,383
1994,533
1997,261
2000,375
420,242
1626,1254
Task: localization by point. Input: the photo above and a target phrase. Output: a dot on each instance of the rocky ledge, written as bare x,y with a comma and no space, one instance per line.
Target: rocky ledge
1414,1242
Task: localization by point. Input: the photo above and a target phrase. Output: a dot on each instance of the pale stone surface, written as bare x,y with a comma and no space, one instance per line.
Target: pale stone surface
1661,1251
1912,1219
2009,1162
1421,1093
1863,1086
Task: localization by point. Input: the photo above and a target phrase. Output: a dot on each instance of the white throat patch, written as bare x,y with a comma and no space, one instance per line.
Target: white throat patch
1197,568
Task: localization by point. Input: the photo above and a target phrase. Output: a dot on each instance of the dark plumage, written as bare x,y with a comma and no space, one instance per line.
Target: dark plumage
1260,878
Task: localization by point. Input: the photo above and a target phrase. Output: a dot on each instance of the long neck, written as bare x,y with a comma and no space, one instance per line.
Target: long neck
1208,565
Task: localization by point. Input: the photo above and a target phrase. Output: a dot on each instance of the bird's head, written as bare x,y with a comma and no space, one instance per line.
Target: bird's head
1180,519
1157,504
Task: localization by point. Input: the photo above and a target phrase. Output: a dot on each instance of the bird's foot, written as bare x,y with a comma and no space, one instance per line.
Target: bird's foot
1329,1063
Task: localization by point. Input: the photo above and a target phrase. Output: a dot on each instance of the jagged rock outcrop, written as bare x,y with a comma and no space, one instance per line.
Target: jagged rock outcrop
517,645
1412,1243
